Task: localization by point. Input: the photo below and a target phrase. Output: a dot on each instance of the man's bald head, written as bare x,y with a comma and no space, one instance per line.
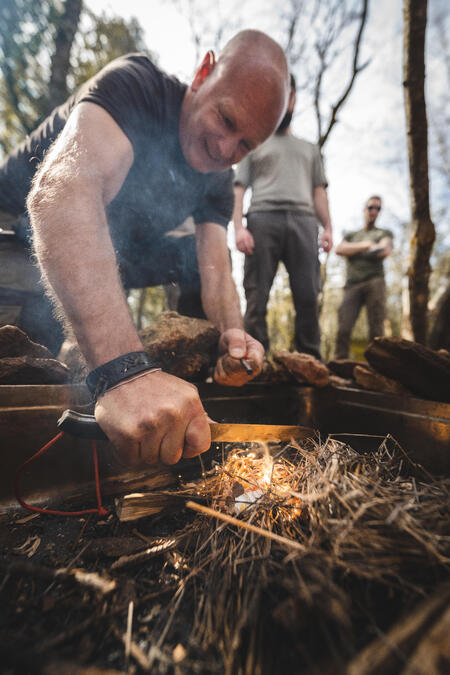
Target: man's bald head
235,104
260,57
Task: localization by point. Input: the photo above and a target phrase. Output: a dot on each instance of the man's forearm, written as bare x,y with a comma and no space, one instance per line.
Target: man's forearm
76,255
239,191
219,295
321,206
349,249
221,303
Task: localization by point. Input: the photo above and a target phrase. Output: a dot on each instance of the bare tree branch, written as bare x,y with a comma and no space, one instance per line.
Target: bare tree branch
355,72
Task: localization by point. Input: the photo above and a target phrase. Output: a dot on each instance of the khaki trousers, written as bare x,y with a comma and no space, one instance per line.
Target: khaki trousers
372,294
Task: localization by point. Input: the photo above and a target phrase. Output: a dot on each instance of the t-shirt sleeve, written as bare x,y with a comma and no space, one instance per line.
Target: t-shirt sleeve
218,200
242,174
129,90
388,233
348,236
319,178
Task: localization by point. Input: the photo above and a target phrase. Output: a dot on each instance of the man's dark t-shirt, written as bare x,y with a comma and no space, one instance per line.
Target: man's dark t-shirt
361,267
161,189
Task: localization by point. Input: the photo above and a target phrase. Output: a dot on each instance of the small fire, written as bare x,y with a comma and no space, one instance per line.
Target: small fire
255,477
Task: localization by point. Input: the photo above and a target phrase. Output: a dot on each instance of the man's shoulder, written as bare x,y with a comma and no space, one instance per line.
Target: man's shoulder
303,141
355,234
385,232
135,66
307,146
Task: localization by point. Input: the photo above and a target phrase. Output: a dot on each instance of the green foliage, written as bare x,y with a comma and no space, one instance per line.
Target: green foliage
100,40
146,304
27,32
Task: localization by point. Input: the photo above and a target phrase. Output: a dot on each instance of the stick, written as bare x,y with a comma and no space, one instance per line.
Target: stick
246,526
127,640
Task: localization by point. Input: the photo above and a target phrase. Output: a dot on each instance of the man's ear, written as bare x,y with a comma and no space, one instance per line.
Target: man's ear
291,100
204,70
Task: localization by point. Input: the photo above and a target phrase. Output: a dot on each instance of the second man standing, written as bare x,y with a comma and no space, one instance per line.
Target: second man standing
288,197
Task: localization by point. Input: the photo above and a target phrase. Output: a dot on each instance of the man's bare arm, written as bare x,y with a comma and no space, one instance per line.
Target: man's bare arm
322,210
154,417
222,307
387,245
348,248
81,174
244,239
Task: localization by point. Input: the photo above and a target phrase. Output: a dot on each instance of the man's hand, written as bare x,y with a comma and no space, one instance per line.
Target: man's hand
326,239
245,241
154,418
235,344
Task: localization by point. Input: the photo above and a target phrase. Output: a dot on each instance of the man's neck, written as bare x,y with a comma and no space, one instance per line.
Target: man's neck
284,132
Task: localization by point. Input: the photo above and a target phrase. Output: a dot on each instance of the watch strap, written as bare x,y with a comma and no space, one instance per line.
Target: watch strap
111,373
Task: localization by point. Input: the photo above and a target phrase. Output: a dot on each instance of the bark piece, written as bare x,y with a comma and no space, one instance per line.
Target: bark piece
143,504
273,372
184,346
368,378
29,370
343,367
14,342
336,381
71,355
304,367
426,373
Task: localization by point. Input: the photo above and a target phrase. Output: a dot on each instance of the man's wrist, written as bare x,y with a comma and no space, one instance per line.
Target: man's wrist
109,374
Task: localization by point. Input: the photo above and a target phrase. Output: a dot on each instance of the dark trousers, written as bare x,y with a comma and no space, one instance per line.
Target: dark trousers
289,237
371,293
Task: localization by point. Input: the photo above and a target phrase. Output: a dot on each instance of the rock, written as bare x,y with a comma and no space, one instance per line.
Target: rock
368,378
184,346
423,371
29,370
304,367
343,367
71,355
14,342
336,381
273,372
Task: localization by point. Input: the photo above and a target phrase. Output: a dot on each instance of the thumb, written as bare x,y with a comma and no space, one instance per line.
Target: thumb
235,343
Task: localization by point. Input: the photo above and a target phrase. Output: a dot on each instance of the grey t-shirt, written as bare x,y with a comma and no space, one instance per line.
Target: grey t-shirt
282,173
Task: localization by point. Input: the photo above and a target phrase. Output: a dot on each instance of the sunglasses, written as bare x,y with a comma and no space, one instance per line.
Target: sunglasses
373,208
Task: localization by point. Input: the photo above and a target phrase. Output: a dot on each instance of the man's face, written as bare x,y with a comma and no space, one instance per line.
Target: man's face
371,211
224,118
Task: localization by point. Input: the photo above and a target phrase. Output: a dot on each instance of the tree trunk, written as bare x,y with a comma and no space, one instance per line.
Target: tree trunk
415,20
440,332
60,62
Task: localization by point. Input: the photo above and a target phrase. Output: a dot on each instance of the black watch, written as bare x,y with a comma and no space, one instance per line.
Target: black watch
109,374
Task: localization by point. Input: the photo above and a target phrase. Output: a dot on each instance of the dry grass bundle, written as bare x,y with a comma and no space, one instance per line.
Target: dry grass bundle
368,538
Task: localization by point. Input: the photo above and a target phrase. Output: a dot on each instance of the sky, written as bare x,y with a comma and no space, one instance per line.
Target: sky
366,153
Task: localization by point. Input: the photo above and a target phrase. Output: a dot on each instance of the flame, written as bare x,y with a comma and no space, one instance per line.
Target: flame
255,478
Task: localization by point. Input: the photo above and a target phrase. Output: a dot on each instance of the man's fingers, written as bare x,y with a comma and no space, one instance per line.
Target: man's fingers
197,438
171,448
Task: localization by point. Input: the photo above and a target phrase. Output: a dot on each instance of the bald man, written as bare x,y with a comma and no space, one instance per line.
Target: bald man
135,152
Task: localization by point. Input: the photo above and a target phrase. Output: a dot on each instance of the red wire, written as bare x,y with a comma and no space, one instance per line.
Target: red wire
100,510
